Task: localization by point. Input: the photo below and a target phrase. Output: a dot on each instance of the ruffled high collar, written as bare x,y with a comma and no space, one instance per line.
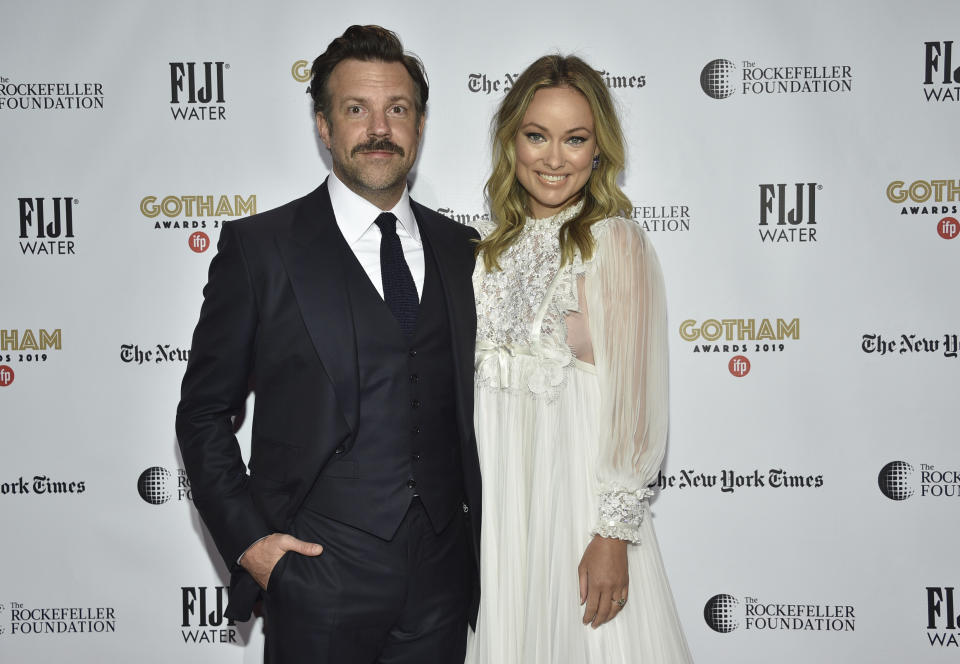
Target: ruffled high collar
560,218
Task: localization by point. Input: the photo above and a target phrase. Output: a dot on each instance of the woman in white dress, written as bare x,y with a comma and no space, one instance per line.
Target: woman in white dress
571,389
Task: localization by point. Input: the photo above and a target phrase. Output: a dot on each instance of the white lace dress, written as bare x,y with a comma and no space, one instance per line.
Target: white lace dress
568,447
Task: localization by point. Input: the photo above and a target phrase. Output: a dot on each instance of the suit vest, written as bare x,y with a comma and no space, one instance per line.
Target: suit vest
407,441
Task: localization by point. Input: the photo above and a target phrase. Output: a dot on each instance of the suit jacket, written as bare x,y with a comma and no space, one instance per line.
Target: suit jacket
276,318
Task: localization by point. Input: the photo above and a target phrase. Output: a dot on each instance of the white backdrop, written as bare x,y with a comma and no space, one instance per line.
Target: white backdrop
104,555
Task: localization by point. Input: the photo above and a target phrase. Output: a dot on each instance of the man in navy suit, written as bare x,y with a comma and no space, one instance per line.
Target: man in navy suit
350,312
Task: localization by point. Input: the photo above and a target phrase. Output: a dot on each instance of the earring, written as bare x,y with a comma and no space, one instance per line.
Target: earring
596,161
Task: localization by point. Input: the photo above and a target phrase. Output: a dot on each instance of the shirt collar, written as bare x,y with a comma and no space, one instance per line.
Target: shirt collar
355,214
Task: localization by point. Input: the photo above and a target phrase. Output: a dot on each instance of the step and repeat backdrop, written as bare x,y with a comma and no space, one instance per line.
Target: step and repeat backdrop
795,164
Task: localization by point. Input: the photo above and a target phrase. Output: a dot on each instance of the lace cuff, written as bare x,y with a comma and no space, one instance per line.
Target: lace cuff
621,513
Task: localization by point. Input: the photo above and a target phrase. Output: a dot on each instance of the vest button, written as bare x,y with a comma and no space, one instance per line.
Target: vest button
411,484
339,450
415,403
413,352
465,508
415,430
416,456
414,378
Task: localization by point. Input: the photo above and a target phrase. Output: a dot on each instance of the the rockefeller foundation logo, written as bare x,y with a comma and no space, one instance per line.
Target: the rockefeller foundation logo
726,613
900,480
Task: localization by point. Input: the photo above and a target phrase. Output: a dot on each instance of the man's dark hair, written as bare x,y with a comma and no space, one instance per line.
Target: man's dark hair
368,43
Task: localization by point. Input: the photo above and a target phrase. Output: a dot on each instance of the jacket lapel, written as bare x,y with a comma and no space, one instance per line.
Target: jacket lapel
313,256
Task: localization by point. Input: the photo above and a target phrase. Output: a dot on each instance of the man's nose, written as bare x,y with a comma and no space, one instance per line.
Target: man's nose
378,124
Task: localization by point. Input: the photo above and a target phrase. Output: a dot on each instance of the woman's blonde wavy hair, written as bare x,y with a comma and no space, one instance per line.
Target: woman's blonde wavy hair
602,197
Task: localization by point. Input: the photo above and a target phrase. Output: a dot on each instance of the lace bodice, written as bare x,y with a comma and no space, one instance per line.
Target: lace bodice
514,307
521,308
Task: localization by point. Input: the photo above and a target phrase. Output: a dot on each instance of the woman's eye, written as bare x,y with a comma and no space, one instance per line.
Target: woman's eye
577,140
534,137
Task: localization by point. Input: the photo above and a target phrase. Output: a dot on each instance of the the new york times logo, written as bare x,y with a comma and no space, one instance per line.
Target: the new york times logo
719,79
158,354
157,485
942,618
487,84
42,485
196,90
50,96
947,346
724,613
729,480
940,78
203,619
898,480
46,226
463,216
796,223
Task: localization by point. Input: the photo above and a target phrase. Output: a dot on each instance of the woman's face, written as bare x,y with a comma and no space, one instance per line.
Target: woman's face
555,148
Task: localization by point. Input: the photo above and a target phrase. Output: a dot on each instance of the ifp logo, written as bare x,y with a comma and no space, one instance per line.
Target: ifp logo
199,242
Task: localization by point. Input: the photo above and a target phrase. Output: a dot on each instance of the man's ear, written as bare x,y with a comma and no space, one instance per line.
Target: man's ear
323,128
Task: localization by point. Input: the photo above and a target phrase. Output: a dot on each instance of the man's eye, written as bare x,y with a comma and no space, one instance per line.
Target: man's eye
353,110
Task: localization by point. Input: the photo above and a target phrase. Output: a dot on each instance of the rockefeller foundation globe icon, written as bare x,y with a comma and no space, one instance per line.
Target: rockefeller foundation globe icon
716,79
154,485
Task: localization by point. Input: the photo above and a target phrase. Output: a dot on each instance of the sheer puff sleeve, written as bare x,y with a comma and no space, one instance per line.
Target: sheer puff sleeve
625,297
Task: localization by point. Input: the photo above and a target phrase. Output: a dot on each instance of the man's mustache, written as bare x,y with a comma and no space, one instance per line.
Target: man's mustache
377,145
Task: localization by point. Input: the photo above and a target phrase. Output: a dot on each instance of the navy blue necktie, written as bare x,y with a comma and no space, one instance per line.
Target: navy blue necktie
399,291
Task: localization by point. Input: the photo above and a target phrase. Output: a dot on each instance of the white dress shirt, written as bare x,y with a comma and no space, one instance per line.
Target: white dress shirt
355,216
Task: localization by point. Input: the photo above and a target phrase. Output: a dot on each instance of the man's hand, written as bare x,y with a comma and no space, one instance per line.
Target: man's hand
603,579
263,555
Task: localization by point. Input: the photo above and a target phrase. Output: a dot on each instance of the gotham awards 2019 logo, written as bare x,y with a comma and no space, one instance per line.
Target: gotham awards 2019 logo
195,215
26,346
739,335
924,198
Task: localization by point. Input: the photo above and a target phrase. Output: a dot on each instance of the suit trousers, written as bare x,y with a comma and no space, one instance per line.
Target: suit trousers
366,600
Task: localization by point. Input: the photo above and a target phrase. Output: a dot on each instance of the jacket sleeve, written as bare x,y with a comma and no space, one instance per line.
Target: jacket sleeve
625,297
213,393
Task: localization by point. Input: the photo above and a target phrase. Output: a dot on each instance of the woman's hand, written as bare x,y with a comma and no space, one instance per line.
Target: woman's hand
603,579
